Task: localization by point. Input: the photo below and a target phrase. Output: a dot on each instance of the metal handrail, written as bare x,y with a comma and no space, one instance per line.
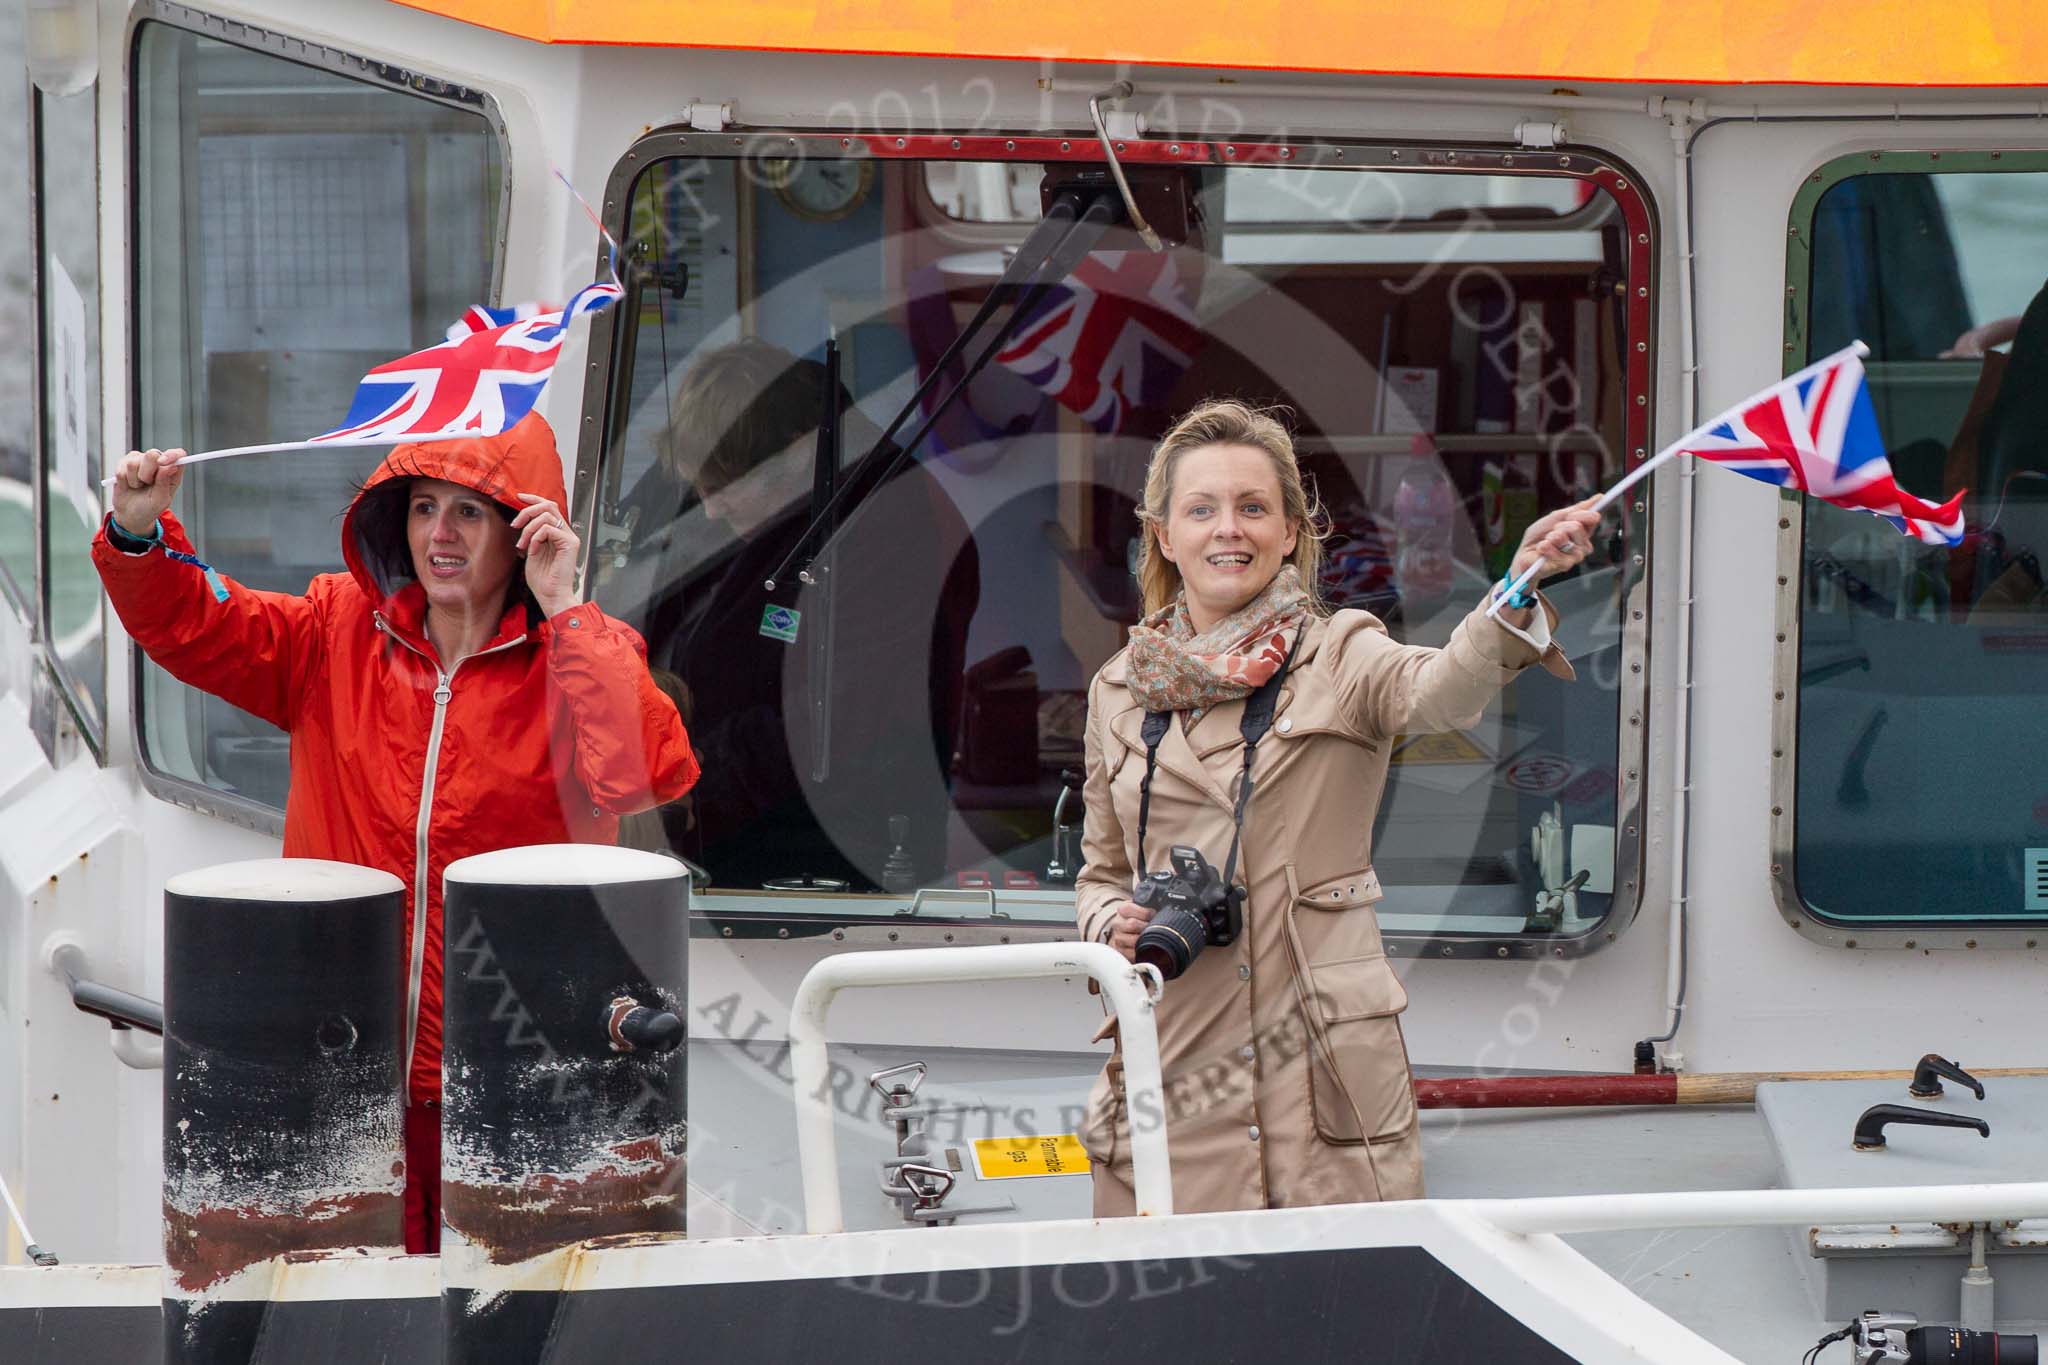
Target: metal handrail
1131,990
120,1008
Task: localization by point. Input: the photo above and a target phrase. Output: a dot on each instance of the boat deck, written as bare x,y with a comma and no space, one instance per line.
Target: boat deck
1744,1289
1750,1291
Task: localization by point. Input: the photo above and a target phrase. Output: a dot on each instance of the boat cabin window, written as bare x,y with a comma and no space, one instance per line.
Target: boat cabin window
1923,670
65,131
294,225
1457,353
17,363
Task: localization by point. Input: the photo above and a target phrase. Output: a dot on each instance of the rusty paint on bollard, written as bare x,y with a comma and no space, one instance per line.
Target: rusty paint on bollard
283,1084
552,1132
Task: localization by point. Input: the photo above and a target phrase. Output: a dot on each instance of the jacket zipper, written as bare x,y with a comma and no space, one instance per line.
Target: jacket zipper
443,691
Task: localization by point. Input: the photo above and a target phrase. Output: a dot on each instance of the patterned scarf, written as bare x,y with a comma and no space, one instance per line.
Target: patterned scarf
1171,668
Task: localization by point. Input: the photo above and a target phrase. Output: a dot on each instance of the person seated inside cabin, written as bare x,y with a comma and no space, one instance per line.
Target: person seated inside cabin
2005,459
821,711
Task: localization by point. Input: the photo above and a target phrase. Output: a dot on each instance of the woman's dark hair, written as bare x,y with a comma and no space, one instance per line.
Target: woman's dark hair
379,525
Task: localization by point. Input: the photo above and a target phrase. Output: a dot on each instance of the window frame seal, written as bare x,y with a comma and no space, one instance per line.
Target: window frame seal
604,399
178,791
66,682
25,599
1801,918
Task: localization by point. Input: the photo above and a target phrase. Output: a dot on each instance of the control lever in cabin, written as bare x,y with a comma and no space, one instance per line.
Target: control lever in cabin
634,1027
899,873
1870,1127
1066,839
1558,901
612,535
1928,1073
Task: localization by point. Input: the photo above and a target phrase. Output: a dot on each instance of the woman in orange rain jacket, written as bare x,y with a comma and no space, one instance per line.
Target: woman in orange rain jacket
432,693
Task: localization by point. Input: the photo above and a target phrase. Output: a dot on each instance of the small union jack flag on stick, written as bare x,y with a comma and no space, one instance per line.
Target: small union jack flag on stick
1815,431
479,382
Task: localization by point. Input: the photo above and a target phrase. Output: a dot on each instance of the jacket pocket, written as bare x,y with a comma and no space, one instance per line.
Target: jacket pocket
1328,935
1359,1086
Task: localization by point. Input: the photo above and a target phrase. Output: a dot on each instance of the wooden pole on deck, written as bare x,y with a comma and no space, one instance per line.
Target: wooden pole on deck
1558,1092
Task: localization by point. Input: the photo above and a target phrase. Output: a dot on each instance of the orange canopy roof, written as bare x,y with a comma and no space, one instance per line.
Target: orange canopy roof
1682,42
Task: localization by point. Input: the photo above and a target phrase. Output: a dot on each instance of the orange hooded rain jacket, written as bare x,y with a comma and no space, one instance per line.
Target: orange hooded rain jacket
401,760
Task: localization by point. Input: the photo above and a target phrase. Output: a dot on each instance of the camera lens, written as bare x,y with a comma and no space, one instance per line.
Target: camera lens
1171,941
1960,1346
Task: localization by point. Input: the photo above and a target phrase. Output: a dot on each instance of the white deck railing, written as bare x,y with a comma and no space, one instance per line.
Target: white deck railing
1760,1208
1131,991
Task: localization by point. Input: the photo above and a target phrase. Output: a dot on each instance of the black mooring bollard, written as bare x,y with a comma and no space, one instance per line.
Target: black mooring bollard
284,1020
562,1076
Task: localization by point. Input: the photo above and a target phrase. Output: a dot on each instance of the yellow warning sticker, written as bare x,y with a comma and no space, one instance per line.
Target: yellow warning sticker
1454,746
1006,1157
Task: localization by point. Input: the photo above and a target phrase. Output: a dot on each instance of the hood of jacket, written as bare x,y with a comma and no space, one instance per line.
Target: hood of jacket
522,459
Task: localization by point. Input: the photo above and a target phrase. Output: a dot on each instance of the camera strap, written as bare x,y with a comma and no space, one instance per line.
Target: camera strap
1152,731
1257,720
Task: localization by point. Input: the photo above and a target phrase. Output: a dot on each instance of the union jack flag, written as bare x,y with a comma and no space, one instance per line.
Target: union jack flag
1816,431
481,318
479,382
1114,336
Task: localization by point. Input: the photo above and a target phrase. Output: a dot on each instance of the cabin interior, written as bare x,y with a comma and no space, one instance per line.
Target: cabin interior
1464,332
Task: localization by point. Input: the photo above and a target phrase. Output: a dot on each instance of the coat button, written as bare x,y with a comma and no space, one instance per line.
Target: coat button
1252,1132
575,621
1244,973
1247,1053
1286,724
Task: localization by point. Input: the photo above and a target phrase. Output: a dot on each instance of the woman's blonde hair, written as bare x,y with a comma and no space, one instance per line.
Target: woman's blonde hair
1227,422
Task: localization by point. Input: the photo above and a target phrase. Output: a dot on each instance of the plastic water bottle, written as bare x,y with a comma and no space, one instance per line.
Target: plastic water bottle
1425,509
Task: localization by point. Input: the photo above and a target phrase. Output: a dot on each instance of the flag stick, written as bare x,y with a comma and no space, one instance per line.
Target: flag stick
1855,348
30,1249
1606,499
612,269
205,455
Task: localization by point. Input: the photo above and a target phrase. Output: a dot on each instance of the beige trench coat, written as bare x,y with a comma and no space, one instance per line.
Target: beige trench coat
1286,1077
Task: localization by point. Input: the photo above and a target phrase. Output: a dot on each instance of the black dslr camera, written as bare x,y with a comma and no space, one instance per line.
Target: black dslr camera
1897,1339
1191,908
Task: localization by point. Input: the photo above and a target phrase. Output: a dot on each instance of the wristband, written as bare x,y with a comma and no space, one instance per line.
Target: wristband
1517,600
128,543
119,537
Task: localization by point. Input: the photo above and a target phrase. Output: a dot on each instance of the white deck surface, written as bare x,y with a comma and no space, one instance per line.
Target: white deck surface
1746,1290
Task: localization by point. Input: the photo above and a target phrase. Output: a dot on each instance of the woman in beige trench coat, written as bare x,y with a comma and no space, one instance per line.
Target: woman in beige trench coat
1286,1078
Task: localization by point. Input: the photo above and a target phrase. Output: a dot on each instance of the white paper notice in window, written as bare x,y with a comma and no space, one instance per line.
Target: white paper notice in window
70,393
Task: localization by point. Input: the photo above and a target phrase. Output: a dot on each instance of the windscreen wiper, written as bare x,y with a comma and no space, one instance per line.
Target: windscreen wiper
1073,223
824,494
